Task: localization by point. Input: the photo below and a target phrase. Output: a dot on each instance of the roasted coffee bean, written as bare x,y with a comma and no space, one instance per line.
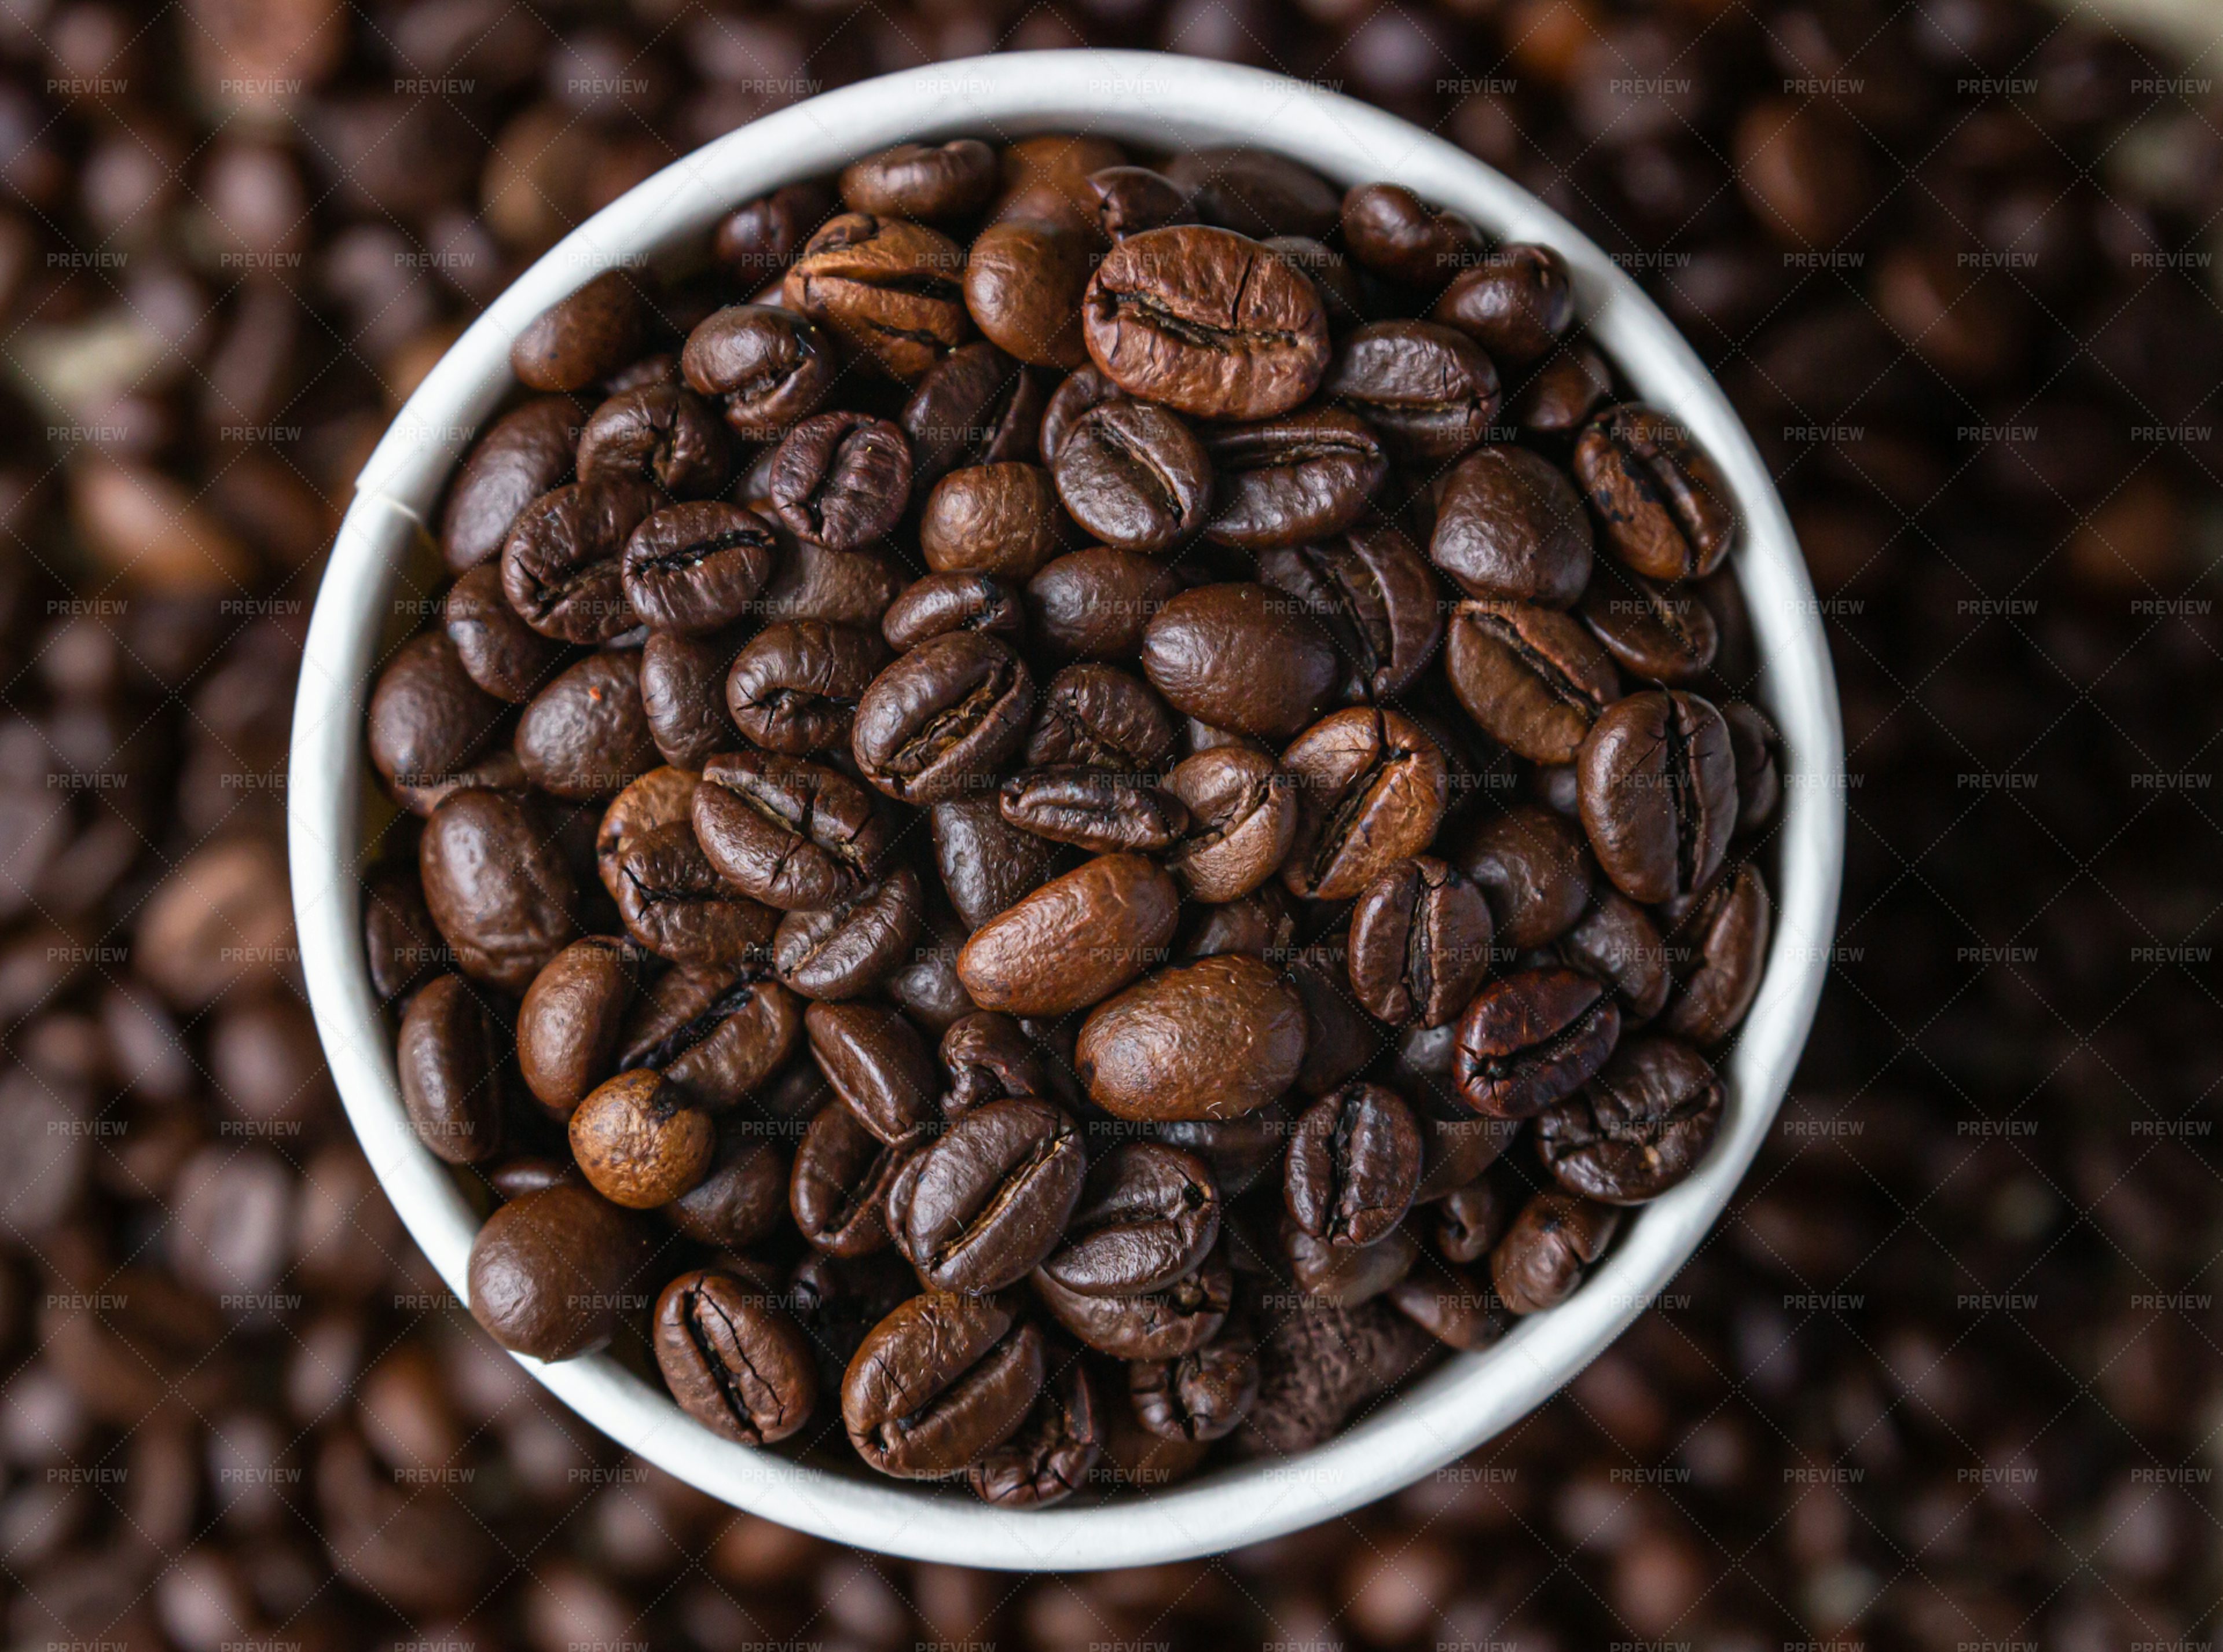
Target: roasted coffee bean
1047,174
1374,594
450,1063
1756,745
833,588
658,798
1618,943
1511,528
1429,391
501,653
1133,476
1637,1128
552,1272
1419,943
1130,200
1148,1217
918,180
1099,810
569,1026
719,1034
735,1364
843,1173
1393,233
941,603
1470,1221
1256,192
682,695
524,453
1458,1146
1207,322
942,717
1540,1261
639,1142
1345,1276
428,721
1655,633
1160,1324
841,479
1203,1395
852,947
584,338
661,434
787,832
1242,657
993,518
794,688
880,1067
987,1058
1353,1165
1239,1152
1340,1037
939,1384
1371,790
1534,868
766,368
892,288
496,884
975,406
1073,941
674,903
1665,508
837,1299
1094,604
986,864
697,567
758,240
1725,938
1055,1450
984,1204
1024,278
586,734
402,944
1533,678
1078,392
1531,1039
1454,1305
924,985
1107,718
1561,392
1514,302
1282,481
1243,818
1658,794
560,566
1211,1040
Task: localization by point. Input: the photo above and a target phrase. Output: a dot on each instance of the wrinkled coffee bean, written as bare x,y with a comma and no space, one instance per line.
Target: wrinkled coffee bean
1054,1450
695,567
1533,678
892,288
1665,510
942,717
1099,810
660,434
561,564
639,1141
987,1058
979,1209
1148,1217
766,368
1353,1165
976,407
1133,476
939,1384
1374,594
1540,1261
1531,1039
1160,1324
1725,939
1371,790
1511,528
784,831
1277,482
1514,302
941,603
850,947
991,518
735,1364
1658,794
841,479
1241,820
1419,943
1203,1395
1637,1128
794,688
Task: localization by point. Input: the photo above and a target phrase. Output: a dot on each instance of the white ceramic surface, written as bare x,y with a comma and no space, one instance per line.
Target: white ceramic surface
1154,101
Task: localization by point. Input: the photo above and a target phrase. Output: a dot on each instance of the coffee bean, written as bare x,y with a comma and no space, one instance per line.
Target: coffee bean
1243,657
1073,941
1393,233
1465,1226
1515,303
986,864
984,1204
1452,1304
697,567
1510,528
1340,1037
1160,1324
1099,810
1535,870
673,902
1130,200
496,885
524,453
1533,678
428,721
1371,789
450,1069
682,695
584,337
942,717
1345,1276
1102,718
993,518
1211,1040
841,479
569,1025
660,434
987,1058
1278,482
1419,943
1727,935
892,288
1079,391
787,832
939,1384
1531,1039
880,1067
766,368
852,947
1561,392
1429,391
1757,747
1147,1217
1636,1129
1054,1451
1655,633
1330,275
719,1034
975,406
1353,1165
1540,1261
560,566
1619,944
918,180
586,734
1243,818
1237,1152
1203,1395
551,1272
1256,192
842,1174
1049,174
1658,794
501,653
1374,594
737,1366
1665,510
794,688
639,1141
1133,476
833,588
757,240
1094,604
1024,278
941,603
398,937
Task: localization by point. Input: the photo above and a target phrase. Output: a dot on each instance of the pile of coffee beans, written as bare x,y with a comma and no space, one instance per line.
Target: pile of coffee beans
1048,793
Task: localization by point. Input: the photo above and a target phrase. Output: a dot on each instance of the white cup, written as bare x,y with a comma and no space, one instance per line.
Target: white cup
1163,103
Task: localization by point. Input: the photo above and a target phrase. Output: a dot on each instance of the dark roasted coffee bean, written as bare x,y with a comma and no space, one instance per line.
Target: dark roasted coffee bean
1757,747
1419,943
984,1204
880,1067
1207,322
1055,1450
719,1034
1099,810
766,368
834,587
892,288
987,865
939,1384
1531,1039
1133,476
586,734
919,180
1540,1261
1665,510
758,240
976,407
1514,302
682,695
1148,1217
1393,233
501,653
658,798
1658,794
697,567
1371,790
1203,1395
987,1058
1725,940
497,885
1430,391
942,717
661,434
991,518
1263,923
1345,1276
1636,1129
1211,1040
1618,944
402,944
1454,1305
1130,200
841,479
1353,1165
1243,657
1374,594
735,1364
1282,481
524,453
1078,392
1561,392
1510,528
428,721
941,603
1656,633
842,1172
794,688
1094,604
674,903
560,566
1533,677
852,947
1534,868
553,1273
837,1299
450,1069
639,1141
583,338
787,832
1243,818
1161,1324
1470,1219
924,983
1256,192
569,1026
1107,718
1024,278
1073,941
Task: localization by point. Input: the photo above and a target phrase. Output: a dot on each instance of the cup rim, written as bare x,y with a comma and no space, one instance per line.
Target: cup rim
1166,102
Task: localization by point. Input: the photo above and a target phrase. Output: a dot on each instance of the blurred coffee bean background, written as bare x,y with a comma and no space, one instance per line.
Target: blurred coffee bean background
1946,1377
